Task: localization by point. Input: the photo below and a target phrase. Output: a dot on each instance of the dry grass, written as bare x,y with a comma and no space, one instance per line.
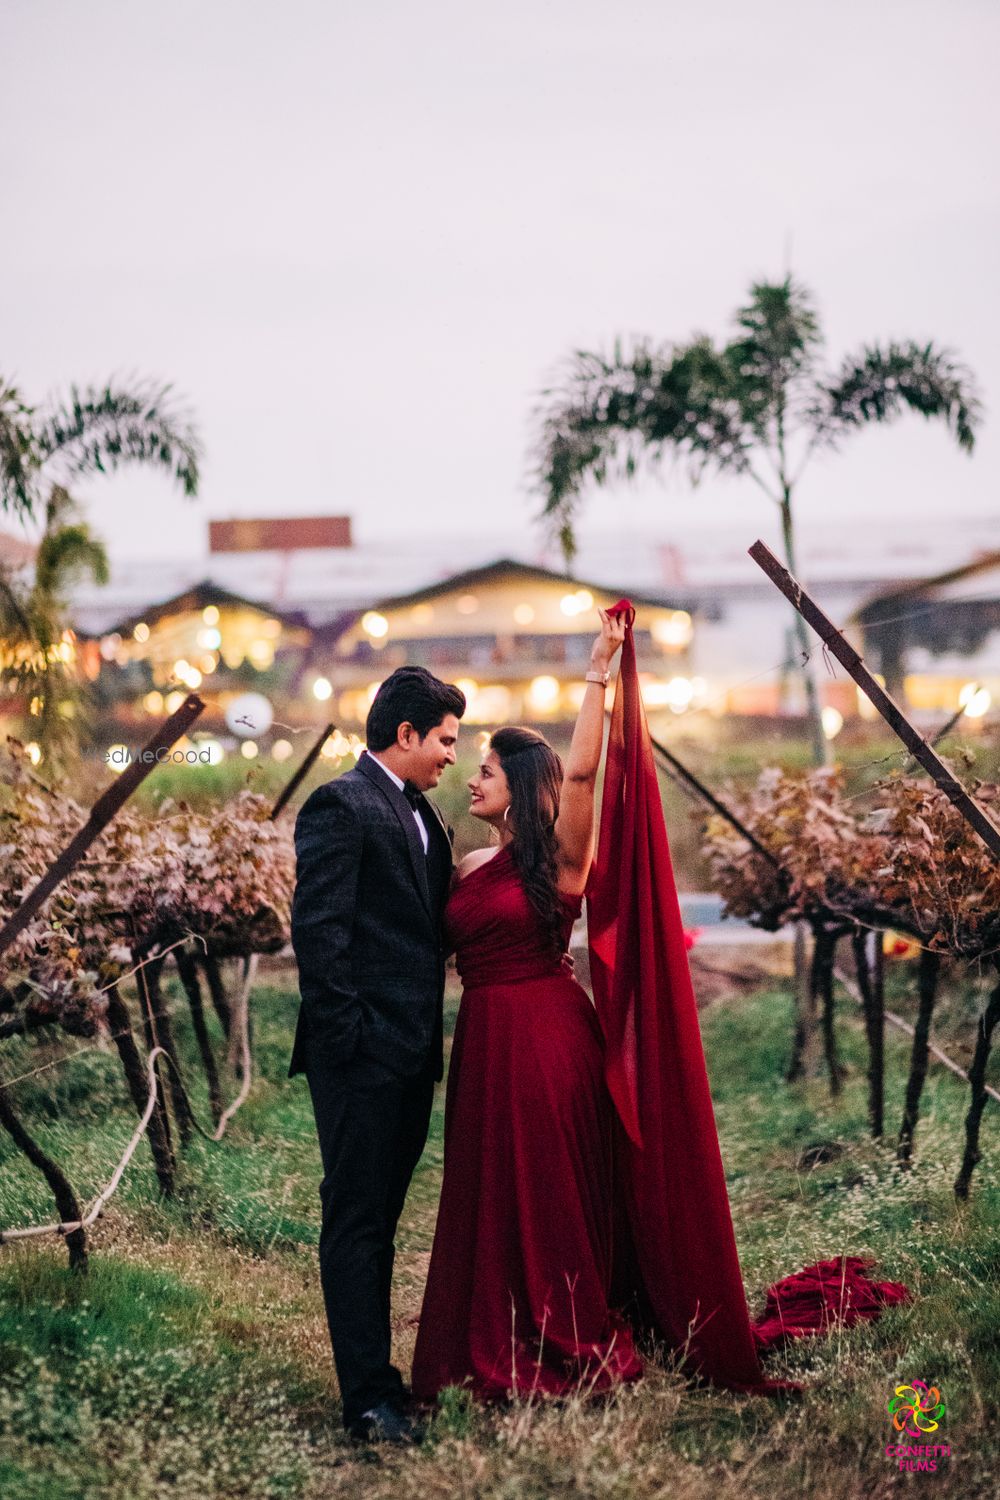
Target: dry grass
193,1361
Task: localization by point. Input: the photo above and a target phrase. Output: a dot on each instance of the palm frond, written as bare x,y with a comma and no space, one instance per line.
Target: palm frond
780,321
881,383
611,414
99,430
65,555
18,453
15,620
774,352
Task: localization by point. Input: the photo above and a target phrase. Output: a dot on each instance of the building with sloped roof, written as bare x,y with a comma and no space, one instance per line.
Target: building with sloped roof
936,641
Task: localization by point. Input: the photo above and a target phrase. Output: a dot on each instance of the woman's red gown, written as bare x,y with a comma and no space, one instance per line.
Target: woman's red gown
519,1279
538,1240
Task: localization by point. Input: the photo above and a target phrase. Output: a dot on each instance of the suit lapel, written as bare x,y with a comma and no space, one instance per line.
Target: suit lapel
437,818
404,813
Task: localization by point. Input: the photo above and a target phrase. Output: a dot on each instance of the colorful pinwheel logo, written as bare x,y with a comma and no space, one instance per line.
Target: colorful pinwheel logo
918,1404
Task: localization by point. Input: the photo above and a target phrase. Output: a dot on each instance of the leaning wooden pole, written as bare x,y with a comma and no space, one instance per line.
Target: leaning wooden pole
303,771
670,759
803,1036
108,804
893,715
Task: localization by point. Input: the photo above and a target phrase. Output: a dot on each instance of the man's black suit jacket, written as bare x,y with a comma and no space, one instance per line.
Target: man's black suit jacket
366,924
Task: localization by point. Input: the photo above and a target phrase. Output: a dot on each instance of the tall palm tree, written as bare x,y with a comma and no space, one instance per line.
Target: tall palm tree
762,405
42,451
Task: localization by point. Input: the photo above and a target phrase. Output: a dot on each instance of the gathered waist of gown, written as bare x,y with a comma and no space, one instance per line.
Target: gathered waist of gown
477,973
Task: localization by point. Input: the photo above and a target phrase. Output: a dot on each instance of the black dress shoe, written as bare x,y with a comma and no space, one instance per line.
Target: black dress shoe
384,1424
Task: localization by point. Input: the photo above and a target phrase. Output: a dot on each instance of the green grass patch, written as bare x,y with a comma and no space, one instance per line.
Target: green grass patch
192,1359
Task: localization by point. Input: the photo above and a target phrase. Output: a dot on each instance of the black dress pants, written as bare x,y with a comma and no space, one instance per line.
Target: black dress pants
372,1126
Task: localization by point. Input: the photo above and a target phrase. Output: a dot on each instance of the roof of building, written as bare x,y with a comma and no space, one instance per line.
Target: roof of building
15,552
971,583
322,585
198,597
505,568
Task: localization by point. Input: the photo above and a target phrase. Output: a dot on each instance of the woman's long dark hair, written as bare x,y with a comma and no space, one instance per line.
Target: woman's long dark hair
534,776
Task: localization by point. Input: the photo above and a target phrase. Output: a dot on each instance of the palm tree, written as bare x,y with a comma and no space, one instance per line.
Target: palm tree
41,452
93,432
37,652
761,406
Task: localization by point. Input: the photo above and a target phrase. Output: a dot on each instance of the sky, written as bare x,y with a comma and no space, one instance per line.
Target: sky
360,239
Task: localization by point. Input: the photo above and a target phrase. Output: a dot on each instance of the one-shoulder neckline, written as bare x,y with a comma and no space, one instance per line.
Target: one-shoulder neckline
483,864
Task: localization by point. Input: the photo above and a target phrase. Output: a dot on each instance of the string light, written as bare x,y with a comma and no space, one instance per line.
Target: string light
374,624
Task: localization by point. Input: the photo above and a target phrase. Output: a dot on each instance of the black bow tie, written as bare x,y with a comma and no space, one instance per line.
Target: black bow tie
412,793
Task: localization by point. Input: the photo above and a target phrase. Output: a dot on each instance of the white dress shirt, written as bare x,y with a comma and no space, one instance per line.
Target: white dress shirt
424,836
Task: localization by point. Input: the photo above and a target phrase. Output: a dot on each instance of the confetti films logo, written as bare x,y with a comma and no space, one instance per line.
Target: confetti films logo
916,1410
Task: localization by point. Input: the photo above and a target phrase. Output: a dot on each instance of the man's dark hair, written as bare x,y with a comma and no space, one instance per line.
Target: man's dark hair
411,695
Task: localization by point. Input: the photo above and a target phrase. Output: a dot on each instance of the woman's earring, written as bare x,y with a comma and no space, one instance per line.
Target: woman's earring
506,811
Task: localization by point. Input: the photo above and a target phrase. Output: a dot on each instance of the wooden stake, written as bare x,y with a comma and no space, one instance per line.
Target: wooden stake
890,711
67,1202
977,1077
713,801
930,966
303,771
108,804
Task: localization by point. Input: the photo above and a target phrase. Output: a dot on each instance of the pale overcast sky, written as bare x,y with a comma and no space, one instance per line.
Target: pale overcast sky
358,237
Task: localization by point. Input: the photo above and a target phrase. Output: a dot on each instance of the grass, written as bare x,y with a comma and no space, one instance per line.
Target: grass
192,1360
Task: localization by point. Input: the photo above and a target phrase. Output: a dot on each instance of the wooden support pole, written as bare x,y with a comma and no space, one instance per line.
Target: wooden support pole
108,804
946,729
211,964
67,1203
135,1074
713,801
868,966
873,690
303,771
188,970
927,982
977,1082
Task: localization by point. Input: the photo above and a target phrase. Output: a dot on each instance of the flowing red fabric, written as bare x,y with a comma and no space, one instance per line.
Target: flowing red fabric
680,1261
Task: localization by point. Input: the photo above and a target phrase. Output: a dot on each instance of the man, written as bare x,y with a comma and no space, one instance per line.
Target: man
373,873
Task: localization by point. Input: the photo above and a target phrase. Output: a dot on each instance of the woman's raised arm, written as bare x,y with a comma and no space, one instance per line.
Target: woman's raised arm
575,823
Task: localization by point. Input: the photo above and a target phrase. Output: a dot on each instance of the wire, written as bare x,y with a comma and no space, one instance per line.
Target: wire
96,1208
898,1021
63,1227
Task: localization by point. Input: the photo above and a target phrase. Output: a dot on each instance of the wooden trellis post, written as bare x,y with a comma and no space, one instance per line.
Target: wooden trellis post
876,693
108,804
296,781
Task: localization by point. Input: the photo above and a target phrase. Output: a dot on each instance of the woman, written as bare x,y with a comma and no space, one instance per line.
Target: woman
517,1295
542,1098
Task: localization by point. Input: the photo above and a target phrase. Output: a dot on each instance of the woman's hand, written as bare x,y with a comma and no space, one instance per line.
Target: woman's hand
609,642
